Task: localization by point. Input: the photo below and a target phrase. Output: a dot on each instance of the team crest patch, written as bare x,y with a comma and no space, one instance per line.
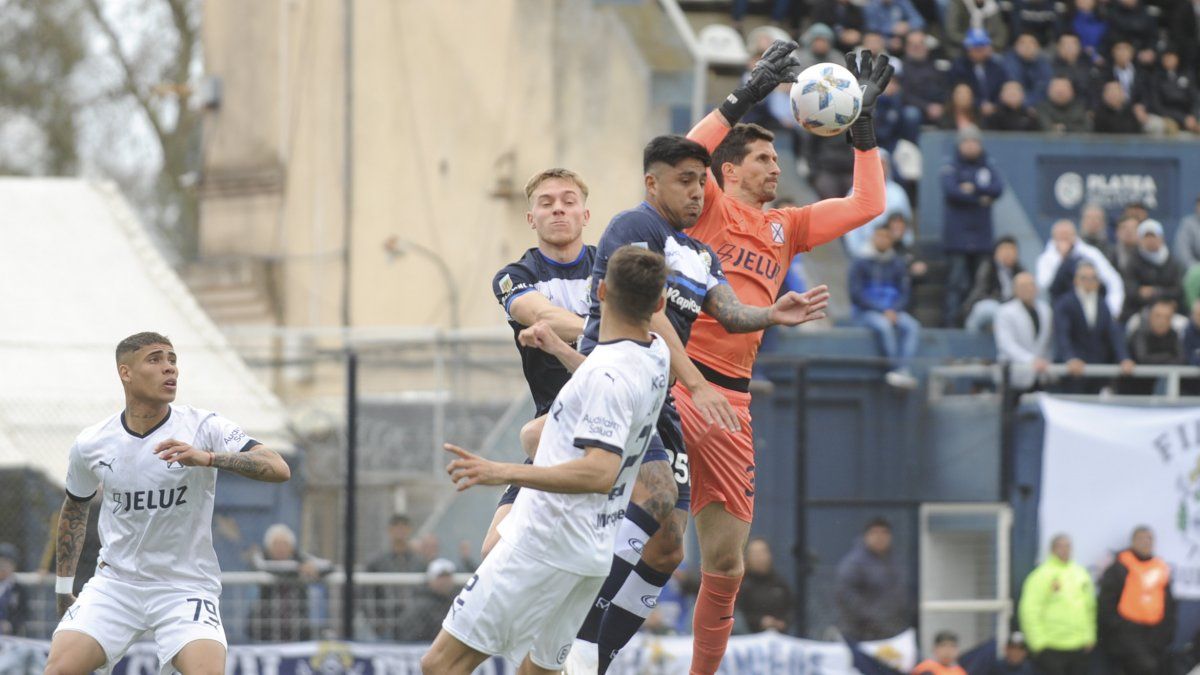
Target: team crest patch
506,284
706,259
777,232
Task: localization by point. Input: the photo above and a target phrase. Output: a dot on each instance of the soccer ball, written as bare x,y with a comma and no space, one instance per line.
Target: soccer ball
826,99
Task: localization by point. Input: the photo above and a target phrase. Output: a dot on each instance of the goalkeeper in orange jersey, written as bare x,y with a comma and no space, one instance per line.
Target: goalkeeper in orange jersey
756,246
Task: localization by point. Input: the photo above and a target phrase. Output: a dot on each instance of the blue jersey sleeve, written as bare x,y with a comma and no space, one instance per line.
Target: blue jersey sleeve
716,275
512,281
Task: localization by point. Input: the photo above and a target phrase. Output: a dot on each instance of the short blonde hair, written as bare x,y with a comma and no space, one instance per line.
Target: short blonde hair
564,174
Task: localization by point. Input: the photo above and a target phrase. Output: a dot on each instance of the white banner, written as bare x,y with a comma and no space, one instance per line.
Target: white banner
762,654
1107,469
899,652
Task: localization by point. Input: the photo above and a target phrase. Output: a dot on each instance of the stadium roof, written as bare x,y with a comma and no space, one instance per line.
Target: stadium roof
79,274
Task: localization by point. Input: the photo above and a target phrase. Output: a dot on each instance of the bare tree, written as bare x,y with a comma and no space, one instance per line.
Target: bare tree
107,85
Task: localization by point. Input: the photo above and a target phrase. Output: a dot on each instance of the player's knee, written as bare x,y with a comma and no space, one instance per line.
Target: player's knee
58,666
206,669
664,558
431,663
726,562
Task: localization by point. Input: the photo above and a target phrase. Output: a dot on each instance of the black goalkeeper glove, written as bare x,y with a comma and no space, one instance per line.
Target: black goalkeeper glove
777,65
873,75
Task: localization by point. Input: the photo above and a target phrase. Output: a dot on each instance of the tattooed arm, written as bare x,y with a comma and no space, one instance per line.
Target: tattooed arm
257,463
791,309
72,527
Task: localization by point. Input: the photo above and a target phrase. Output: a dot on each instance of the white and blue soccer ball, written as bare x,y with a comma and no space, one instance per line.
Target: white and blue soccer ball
826,99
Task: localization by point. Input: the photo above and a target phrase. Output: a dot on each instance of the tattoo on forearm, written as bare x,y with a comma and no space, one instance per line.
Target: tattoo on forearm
72,527
722,303
251,464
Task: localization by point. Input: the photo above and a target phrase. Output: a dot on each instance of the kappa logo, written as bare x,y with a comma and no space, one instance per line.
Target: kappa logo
650,601
659,382
777,232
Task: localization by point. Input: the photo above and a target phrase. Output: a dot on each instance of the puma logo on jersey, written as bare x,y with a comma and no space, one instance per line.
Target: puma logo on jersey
149,500
108,464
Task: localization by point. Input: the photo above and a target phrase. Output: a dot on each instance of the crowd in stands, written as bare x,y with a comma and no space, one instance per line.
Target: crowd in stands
984,66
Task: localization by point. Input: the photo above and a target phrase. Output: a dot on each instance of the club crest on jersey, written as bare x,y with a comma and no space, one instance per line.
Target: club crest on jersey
706,258
506,284
777,232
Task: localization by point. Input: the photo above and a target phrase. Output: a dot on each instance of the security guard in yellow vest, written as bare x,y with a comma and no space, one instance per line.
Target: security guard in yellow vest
1136,610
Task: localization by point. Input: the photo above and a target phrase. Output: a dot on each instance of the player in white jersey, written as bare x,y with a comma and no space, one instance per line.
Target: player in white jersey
154,466
531,594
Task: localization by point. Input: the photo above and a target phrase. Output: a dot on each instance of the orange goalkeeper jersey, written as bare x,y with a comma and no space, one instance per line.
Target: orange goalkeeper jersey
756,247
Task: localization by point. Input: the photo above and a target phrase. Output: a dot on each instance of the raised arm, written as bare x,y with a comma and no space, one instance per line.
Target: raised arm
532,307
595,472
72,527
791,309
257,463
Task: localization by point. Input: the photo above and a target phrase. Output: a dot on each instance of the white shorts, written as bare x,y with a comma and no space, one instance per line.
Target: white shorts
116,613
517,605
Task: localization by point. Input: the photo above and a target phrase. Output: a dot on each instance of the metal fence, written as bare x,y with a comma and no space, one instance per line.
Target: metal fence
259,607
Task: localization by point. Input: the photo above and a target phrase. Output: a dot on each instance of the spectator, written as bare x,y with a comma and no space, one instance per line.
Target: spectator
1136,210
1026,64
980,68
964,17
428,548
1090,28
1156,342
1136,628
831,165
845,18
924,81
1085,331
765,599
1191,337
1134,83
945,657
1023,329
870,593
993,285
1182,28
14,600
874,42
1093,229
782,12
1058,612
879,292
962,110
1187,238
1129,21
892,18
970,184
400,557
858,240
1056,267
1115,113
1013,113
1127,243
1062,111
1016,658
1153,273
1070,63
1042,19
898,224
1173,94
281,613
422,618
894,119
816,46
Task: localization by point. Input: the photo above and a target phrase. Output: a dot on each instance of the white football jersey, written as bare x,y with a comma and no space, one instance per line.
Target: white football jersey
611,402
156,517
